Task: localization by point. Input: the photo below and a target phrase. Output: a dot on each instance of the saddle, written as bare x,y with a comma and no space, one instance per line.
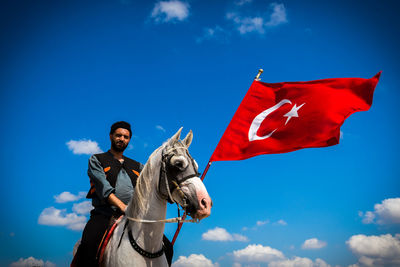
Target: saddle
106,238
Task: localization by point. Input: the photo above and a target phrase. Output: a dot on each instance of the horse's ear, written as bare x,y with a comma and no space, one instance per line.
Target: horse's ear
188,139
176,136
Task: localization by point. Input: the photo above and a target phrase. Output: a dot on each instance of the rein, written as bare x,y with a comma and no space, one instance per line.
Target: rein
170,220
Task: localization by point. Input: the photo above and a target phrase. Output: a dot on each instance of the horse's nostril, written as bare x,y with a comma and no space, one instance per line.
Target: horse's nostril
204,203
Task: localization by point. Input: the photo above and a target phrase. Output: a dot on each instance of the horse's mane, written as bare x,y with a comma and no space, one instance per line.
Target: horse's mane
139,203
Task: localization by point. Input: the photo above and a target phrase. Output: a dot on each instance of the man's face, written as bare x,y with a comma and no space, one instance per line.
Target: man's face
120,139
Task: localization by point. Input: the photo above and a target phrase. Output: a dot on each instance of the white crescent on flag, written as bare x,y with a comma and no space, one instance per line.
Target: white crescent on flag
256,123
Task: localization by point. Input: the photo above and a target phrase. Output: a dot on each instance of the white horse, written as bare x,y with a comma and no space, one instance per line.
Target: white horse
169,174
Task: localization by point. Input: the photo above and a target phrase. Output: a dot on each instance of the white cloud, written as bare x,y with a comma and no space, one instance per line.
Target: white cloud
257,253
247,24
217,33
159,127
261,223
220,234
82,208
242,2
278,15
240,238
321,263
259,24
194,260
55,217
68,197
30,262
313,243
87,147
387,212
368,217
170,11
383,250
281,222
299,262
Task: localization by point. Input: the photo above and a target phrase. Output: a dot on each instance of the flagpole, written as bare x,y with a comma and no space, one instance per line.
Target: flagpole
206,170
184,214
257,78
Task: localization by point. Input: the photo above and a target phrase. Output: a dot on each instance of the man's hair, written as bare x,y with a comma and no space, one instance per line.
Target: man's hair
121,124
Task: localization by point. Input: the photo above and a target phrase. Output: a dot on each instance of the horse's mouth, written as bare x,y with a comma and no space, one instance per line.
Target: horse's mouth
196,202
201,216
190,210
196,213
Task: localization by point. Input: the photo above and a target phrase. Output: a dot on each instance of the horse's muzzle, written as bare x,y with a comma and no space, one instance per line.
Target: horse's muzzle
205,204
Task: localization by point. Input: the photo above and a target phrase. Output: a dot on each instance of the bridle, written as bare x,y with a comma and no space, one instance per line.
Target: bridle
169,176
165,177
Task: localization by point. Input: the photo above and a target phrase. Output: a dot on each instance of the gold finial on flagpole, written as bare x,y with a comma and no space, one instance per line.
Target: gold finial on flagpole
257,78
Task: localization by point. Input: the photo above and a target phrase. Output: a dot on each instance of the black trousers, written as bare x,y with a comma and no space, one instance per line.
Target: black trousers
91,238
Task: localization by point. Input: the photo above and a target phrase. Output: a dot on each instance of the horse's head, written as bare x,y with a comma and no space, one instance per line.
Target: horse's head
179,180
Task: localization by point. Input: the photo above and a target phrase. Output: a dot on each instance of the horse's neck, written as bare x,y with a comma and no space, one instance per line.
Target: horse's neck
146,204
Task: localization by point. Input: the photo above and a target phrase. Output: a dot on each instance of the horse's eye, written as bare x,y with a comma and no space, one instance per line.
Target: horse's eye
179,164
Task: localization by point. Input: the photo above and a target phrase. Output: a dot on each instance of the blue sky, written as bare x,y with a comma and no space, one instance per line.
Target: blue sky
69,69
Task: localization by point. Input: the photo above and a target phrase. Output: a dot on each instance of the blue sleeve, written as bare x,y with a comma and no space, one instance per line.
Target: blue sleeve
98,177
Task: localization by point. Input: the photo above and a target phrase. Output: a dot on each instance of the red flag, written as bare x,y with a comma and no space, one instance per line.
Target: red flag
283,117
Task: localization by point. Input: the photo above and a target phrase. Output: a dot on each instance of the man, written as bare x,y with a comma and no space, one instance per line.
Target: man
113,178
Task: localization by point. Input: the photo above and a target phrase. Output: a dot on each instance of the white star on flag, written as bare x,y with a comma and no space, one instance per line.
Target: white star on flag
292,112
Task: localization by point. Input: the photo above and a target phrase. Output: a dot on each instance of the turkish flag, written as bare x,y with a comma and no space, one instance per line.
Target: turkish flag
283,117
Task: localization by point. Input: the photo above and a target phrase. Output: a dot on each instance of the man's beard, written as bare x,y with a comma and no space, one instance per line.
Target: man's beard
119,147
